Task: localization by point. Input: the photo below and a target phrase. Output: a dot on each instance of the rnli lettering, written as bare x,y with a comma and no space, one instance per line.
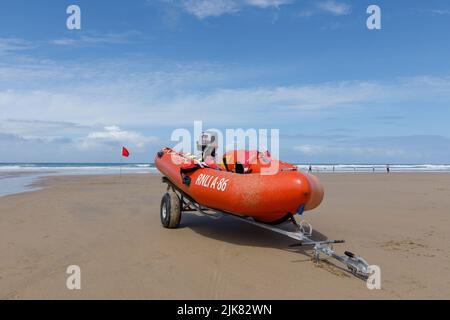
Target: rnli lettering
212,182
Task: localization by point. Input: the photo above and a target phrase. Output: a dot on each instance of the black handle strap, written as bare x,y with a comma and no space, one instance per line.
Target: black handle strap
225,162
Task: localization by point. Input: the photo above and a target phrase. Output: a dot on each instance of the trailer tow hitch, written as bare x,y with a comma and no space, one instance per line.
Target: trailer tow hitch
355,264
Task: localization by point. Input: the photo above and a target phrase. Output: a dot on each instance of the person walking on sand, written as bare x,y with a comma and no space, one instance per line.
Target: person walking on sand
310,169
388,169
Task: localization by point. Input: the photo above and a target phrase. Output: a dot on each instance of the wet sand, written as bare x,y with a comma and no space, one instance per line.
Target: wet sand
110,227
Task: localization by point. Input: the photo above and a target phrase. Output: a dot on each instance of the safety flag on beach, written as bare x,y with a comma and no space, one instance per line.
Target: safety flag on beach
125,152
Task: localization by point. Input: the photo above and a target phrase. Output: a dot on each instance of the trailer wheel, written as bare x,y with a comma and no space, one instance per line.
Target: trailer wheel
170,211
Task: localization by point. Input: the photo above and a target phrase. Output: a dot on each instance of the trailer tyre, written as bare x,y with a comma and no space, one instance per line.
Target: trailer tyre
170,211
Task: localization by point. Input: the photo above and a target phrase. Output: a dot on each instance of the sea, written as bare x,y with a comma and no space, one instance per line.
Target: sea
21,177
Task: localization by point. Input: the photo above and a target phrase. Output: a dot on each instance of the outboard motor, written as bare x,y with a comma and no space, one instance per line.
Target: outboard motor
208,145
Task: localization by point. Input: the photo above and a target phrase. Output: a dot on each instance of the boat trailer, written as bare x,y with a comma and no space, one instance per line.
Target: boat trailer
302,233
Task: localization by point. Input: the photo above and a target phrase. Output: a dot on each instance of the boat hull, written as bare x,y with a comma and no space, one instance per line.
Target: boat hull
267,198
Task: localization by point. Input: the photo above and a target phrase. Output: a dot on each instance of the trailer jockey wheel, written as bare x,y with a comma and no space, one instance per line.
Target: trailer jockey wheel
170,210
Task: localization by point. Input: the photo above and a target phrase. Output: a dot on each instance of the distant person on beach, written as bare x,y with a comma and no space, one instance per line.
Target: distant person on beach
310,168
333,168
388,169
373,169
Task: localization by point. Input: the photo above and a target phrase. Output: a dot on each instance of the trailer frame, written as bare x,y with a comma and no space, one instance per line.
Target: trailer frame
355,264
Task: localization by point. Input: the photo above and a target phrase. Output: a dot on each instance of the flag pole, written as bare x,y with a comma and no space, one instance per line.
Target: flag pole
124,153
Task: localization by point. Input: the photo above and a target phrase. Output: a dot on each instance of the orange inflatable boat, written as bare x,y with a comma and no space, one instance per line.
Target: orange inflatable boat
246,184
251,187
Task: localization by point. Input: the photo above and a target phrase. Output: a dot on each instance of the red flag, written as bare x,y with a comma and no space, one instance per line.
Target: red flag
125,152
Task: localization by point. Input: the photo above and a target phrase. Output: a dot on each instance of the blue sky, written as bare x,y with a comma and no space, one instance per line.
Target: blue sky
137,70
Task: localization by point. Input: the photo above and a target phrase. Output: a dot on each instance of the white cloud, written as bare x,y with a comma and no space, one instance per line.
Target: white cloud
95,38
177,95
68,108
379,149
214,8
113,135
440,12
267,3
334,7
11,45
71,105
352,151
41,130
309,149
46,141
69,132
210,8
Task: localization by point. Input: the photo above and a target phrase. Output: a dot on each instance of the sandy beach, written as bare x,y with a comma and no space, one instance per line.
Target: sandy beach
110,227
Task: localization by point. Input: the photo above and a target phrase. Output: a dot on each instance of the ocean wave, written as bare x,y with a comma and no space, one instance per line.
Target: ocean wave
95,168
74,167
376,167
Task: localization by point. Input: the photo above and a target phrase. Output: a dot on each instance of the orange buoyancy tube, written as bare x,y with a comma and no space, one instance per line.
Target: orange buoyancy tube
267,198
254,161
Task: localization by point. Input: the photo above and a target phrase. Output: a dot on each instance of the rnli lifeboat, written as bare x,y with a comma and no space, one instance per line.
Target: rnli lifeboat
245,184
